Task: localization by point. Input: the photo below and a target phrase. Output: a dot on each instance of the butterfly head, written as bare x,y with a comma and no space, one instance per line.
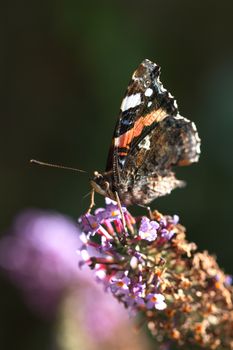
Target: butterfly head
101,183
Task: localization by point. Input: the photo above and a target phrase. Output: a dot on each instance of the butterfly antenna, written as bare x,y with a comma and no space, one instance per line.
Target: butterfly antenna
38,162
88,194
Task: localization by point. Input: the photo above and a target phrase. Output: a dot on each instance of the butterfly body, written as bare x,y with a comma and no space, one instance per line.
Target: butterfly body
150,138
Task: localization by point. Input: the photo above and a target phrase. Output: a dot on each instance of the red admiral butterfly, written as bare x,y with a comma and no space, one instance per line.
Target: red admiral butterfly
150,138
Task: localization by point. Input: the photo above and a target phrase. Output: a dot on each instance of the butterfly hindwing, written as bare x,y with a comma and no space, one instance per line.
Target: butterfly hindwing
148,167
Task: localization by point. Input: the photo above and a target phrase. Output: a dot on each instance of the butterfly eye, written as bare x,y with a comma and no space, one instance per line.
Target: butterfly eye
96,174
147,83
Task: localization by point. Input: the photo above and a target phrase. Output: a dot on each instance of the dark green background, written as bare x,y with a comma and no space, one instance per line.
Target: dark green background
64,67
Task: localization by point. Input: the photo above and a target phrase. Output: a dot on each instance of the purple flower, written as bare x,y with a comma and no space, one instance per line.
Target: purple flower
176,219
167,234
89,224
120,284
156,301
101,314
111,212
124,265
134,301
163,222
39,254
228,280
152,262
148,229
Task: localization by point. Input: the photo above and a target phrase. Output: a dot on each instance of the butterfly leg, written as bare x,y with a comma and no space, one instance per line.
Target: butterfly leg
121,211
148,210
92,203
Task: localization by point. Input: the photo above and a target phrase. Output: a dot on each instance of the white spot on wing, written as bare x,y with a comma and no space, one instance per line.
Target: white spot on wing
198,149
131,101
194,126
149,104
170,95
148,92
177,117
145,143
116,141
122,162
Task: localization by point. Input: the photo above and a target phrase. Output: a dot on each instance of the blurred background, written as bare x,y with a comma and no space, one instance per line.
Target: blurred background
64,68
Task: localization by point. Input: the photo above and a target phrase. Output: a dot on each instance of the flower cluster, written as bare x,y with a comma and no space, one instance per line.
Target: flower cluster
149,266
38,254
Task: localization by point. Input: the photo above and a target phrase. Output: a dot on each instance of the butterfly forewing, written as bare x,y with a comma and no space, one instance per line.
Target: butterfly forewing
145,103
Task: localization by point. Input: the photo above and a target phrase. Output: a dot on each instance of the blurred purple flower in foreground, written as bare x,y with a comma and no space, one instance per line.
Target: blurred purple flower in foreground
39,254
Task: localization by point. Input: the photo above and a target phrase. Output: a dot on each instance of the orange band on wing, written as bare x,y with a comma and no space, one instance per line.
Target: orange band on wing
122,153
147,120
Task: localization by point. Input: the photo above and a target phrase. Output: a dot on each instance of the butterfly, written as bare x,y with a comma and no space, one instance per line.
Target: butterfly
149,139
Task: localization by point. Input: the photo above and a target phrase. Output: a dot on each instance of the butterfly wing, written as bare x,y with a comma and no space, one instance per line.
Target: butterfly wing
144,104
150,137
147,173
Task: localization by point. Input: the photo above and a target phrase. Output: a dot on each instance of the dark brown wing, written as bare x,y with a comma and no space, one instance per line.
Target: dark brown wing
147,173
145,103
149,139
